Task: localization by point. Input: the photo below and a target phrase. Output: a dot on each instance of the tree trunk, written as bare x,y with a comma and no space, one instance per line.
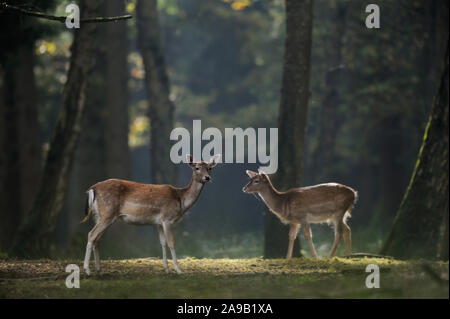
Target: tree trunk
116,81
392,180
20,142
292,117
323,156
443,249
35,234
102,150
89,166
161,109
420,222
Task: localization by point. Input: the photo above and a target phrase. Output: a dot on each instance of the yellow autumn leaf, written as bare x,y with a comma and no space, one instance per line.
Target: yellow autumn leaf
240,5
51,47
46,47
130,7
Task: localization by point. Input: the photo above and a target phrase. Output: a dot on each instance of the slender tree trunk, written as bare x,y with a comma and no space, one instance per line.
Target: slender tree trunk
35,234
292,118
20,142
423,215
161,108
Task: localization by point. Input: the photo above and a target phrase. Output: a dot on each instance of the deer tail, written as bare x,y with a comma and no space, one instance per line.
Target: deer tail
349,210
89,203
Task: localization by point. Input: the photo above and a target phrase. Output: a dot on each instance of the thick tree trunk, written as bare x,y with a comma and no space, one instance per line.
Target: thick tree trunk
392,180
116,81
292,117
89,166
35,234
443,249
423,215
20,143
102,150
329,122
161,108
10,183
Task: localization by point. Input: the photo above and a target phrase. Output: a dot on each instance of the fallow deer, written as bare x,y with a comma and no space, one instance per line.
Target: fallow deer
297,207
143,204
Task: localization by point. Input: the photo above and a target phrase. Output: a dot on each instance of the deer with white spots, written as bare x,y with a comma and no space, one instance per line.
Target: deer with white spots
297,207
143,204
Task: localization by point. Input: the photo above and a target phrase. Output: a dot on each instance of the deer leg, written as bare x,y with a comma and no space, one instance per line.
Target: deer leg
170,242
308,236
292,235
337,238
162,239
87,256
347,235
96,258
93,238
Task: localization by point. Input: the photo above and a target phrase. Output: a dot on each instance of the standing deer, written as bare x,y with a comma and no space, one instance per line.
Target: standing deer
329,202
143,204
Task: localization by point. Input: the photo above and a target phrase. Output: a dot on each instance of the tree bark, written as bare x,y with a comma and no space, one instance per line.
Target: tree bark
323,156
116,108
35,234
102,150
419,226
292,117
20,142
161,108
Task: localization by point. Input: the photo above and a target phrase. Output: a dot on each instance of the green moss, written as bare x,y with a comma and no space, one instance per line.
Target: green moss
225,278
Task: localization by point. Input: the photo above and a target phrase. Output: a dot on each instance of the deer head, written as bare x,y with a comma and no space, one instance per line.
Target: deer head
258,182
202,170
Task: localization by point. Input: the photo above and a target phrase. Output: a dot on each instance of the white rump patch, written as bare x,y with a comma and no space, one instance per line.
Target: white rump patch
93,204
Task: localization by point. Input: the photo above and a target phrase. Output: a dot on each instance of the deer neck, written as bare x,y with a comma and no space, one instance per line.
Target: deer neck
190,194
273,199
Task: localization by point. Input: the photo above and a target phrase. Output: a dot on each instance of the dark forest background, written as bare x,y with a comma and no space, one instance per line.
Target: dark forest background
371,95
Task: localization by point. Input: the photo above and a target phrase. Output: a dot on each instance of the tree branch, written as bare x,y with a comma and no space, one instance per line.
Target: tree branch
362,255
60,18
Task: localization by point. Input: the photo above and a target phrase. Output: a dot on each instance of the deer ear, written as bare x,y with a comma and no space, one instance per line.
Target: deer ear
214,160
261,172
251,174
190,160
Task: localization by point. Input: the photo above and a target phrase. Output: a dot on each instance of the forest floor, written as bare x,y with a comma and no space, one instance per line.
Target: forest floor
227,278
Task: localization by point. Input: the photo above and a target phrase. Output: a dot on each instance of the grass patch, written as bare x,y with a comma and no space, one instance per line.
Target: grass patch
227,278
